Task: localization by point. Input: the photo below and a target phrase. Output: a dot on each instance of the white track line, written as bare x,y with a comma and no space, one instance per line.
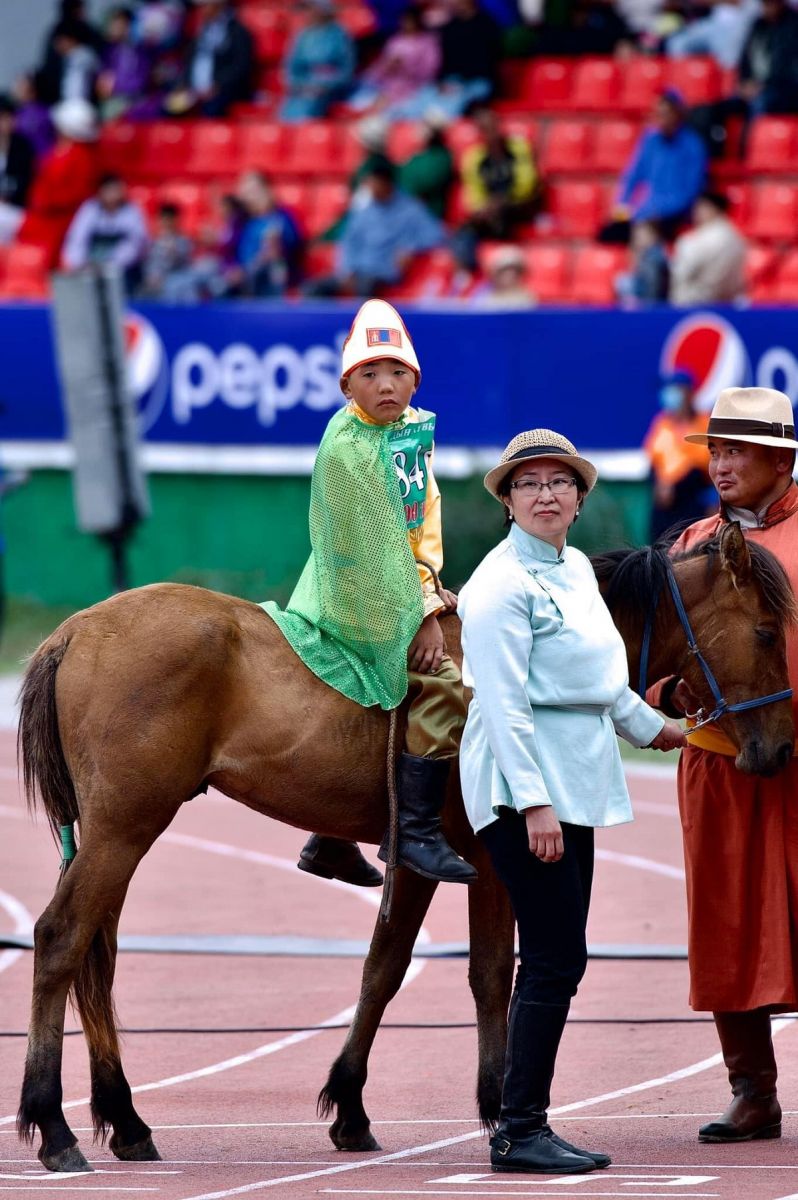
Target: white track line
284,864
23,924
641,864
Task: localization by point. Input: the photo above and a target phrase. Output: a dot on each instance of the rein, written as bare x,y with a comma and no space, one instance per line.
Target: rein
722,707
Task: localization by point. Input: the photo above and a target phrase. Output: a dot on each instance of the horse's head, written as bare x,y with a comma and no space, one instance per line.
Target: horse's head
740,603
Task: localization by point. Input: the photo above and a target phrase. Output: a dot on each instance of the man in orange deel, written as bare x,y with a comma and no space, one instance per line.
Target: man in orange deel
679,469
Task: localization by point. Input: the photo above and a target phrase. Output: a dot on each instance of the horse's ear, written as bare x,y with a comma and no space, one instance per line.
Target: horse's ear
734,553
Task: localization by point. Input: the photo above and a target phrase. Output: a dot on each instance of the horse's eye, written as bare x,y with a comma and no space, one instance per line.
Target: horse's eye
766,636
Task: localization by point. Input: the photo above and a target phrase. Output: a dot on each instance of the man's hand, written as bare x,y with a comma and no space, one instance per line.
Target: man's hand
427,647
544,833
670,737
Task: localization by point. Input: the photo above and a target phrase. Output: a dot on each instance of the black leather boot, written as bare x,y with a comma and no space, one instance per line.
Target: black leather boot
754,1112
524,1140
332,858
421,785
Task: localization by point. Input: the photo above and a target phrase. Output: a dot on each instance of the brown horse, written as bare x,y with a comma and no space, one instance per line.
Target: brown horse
134,706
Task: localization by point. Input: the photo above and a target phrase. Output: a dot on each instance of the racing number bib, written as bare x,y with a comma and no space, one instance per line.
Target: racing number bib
411,449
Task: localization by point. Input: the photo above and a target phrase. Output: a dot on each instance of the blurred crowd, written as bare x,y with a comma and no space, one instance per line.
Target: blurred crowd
433,61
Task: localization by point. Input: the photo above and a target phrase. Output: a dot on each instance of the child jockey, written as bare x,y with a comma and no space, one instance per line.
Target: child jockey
364,615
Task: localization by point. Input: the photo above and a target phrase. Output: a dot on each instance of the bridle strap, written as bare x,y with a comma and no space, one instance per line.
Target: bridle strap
721,705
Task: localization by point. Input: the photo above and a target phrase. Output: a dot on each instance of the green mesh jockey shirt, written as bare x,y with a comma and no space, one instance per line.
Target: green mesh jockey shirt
358,603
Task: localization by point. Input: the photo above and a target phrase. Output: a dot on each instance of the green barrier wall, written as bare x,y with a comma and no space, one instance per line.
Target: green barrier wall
248,535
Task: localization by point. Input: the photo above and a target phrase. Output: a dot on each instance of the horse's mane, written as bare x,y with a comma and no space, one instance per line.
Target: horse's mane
633,578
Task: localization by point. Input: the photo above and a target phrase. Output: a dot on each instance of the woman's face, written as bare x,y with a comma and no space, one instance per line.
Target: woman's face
545,514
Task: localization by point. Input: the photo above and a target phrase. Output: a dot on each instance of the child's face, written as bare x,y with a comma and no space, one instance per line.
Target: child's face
383,389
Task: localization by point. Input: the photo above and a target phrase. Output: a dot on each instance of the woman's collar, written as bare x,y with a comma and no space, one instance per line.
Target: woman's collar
531,547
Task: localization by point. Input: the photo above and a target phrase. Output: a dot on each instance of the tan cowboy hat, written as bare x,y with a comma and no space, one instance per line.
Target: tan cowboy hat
378,332
755,414
540,443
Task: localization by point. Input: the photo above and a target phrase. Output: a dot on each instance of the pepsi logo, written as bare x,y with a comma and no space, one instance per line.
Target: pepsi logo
147,368
712,350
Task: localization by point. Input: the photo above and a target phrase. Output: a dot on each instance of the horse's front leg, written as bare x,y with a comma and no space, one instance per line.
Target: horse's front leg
386,963
490,975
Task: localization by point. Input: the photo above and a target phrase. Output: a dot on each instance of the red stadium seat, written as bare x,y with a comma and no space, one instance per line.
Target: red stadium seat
460,135
191,199
773,145
569,146
215,149
699,80
312,148
296,197
327,203
429,276
740,199
357,19
784,289
577,208
522,126
165,148
320,259
25,274
774,212
594,272
597,84
548,272
262,147
614,145
268,29
642,79
547,83
760,269
404,139
121,145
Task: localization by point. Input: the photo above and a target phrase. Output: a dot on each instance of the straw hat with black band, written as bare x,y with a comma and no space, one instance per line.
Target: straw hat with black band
756,414
540,443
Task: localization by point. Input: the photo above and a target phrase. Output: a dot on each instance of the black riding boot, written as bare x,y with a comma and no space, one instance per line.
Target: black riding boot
332,858
524,1141
754,1113
421,784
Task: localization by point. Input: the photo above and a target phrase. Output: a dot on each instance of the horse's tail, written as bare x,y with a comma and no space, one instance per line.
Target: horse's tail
45,774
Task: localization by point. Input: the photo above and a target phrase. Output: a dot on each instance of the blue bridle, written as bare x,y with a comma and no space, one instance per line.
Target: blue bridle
722,707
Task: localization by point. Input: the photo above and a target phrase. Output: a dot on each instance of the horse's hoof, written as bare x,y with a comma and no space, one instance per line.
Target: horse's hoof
361,1139
144,1151
70,1159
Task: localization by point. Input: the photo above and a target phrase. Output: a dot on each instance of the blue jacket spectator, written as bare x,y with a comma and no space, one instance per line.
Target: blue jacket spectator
668,169
320,66
271,242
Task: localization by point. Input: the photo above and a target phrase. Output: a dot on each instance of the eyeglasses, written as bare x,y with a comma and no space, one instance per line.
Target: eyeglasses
533,487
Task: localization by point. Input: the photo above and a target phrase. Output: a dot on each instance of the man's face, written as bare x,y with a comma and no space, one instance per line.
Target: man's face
383,389
381,188
747,475
6,124
667,117
112,195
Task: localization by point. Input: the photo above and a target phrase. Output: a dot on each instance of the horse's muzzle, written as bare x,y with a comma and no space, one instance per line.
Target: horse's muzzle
754,759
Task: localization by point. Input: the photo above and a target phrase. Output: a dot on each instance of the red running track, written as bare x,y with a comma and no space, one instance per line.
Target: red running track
234,1112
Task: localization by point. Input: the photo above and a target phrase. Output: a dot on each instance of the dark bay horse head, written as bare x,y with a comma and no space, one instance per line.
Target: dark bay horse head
739,603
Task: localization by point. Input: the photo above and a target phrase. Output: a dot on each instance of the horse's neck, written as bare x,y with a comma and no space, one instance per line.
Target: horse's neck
669,648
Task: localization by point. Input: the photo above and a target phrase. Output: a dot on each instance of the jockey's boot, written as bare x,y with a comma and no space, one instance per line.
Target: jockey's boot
333,858
421,785
524,1140
754,1112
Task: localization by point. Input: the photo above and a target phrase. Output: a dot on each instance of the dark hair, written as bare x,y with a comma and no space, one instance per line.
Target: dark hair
7,104
716,199
169,209
72,28
122,11
109,177
505,487
382,168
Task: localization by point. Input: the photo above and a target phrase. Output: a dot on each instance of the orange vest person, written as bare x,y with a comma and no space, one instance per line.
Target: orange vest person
679,468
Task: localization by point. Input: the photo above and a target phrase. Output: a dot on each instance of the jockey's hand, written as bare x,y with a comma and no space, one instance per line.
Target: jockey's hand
427,647
670,737
544,833
449,599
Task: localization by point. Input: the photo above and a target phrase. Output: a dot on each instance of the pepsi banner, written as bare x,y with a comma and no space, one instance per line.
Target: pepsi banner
260,376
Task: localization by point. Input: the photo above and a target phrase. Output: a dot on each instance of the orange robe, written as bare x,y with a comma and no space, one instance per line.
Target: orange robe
741,837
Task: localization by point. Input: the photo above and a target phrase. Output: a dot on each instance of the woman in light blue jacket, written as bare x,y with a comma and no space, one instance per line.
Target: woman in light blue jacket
540,765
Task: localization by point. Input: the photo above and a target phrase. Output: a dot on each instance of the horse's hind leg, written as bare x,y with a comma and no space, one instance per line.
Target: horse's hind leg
387,961
111,1099
65,952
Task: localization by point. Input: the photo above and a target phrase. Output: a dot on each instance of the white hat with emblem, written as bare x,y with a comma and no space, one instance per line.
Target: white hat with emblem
378,332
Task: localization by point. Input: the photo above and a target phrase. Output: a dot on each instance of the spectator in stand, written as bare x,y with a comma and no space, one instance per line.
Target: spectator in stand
17,164
71,67
33,117
500,183
220,64
505,287
647,282
590,27
666,174
768,72
471,49
721,34
679,470
217,270
708,264
67,175
124,79
410,60
429,173
108,228
73,12
380,240
168,270
271,244
372,133
320,65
